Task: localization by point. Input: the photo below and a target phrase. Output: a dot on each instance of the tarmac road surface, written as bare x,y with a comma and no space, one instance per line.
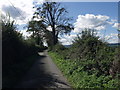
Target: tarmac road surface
44,74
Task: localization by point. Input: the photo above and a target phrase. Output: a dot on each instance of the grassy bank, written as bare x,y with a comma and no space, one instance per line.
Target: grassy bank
14,73
79,77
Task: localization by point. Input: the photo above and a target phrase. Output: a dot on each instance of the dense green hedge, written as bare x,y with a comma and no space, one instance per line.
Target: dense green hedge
79,77
17,54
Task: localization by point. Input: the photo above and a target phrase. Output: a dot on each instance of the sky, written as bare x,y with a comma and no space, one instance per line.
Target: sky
102,16
94,13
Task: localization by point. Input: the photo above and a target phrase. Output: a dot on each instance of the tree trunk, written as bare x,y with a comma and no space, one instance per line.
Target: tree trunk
55,37
38,39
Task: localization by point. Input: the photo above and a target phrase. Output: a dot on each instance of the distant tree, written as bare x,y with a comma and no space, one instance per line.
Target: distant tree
53,15
36,27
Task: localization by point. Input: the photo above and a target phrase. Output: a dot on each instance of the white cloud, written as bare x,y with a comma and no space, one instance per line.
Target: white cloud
91,21
67,39
49,28
116,25
17,8
12,11
107,37
112,38
20,10
113,20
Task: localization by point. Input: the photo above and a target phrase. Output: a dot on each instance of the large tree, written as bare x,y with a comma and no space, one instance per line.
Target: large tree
53,15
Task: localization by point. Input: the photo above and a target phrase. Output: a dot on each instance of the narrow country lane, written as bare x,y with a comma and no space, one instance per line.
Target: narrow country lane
44,74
